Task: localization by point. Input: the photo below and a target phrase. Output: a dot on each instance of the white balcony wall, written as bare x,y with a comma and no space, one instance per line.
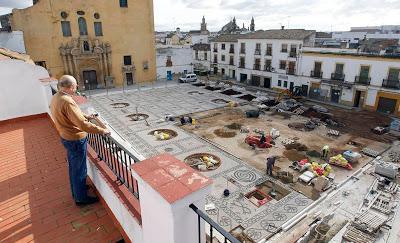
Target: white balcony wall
13,41
22,93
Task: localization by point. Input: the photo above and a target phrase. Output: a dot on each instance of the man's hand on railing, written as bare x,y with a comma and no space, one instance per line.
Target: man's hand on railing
107,132
91,116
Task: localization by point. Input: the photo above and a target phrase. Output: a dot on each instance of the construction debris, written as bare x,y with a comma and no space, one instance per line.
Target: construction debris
386,169
369,221
355,235
252,114
332,132
394,156
370,152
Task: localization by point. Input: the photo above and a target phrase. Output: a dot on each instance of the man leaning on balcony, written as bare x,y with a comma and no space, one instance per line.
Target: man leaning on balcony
73,126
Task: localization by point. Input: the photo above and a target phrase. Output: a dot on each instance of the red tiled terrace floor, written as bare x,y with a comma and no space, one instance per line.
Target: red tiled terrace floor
35,199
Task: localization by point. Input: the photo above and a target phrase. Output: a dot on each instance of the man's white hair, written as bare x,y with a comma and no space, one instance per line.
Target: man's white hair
66,81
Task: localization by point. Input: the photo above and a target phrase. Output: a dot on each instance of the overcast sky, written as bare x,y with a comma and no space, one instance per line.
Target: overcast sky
269,14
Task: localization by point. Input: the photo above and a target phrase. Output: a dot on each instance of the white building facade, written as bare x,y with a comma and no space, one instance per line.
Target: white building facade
224,52
365,81
201,55
270,58
172,60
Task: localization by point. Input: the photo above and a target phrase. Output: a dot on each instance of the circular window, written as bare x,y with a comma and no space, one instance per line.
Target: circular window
80,12
96,15
64,15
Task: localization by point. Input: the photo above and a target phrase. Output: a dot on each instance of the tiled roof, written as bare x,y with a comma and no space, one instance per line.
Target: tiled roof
228,38
201,47
35,197
285,34
170,177
323,35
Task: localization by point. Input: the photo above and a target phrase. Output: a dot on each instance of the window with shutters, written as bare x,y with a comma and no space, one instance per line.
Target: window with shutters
66,28
123,3
98,29
82,26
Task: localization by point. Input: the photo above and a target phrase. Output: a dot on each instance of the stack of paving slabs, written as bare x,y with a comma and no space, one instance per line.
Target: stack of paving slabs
370,152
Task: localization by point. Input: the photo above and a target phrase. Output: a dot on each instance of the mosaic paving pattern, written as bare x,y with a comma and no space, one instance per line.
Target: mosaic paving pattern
234,174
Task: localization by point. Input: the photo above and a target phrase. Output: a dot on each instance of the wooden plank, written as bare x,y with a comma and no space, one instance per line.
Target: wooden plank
354,235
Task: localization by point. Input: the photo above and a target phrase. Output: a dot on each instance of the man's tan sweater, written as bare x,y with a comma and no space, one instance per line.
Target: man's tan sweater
69,119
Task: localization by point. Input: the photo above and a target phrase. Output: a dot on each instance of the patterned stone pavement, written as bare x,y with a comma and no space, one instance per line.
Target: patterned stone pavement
237,175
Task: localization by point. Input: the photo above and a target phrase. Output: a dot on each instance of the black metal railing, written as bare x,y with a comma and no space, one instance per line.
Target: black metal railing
215,61
231,50
391,84
337,76
267,68
118,159
213,227
362,80
316,74
215,50
268,53
291,71
256,66
231,63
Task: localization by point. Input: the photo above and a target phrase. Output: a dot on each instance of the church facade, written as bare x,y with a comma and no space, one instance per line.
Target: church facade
100,42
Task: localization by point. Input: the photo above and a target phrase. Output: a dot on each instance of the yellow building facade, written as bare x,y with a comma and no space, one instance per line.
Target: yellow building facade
100,42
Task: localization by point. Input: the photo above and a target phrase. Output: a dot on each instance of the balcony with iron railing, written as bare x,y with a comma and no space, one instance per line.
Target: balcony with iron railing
215,50
231,63
391,83
268,53
268,68
291,71
365,80
116,171
215,61
231,51
337,76
293,54
257,52
256,66
316,74
242,65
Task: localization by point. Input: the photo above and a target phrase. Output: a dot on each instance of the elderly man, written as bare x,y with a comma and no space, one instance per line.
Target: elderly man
73,126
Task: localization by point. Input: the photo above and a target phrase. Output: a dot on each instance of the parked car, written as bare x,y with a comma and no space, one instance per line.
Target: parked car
191,77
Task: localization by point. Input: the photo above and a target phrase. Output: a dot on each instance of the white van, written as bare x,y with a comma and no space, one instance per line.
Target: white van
190,77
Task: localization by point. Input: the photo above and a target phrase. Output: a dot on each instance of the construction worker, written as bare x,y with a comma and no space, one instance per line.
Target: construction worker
270,164
325,152
262,139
